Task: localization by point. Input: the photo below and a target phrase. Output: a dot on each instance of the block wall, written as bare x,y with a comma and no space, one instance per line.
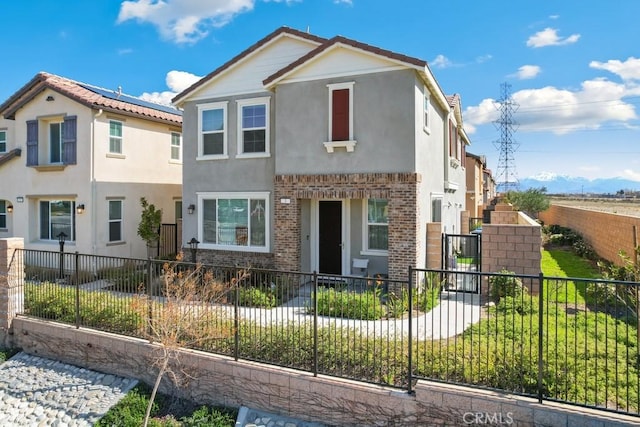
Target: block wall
607,233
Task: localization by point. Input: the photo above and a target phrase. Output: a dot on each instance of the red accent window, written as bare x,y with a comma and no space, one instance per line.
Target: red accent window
340,115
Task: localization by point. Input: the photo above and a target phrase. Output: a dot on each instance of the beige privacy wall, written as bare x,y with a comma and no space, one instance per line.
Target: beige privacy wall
607,233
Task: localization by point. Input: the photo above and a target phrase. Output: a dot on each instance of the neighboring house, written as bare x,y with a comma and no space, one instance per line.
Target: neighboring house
75,159
476,166
303,153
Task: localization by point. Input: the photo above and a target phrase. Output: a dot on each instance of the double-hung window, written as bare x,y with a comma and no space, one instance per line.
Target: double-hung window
376,233
3,214
253,127
57,216
436,208
115,137
340,129
234,221
115,220
176,146
3,141
212,130
55,142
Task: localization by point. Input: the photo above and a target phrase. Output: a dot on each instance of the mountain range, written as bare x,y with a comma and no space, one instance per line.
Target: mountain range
564,184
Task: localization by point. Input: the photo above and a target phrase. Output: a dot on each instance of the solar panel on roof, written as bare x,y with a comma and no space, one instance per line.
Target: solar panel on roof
132,100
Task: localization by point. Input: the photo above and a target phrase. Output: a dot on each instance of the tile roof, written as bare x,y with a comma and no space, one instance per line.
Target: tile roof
90,96
246,52
349,42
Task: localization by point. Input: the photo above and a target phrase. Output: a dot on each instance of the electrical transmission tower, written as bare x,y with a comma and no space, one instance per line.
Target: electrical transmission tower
506,175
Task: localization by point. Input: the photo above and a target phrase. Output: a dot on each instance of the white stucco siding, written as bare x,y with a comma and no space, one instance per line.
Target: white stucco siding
145,152
247,75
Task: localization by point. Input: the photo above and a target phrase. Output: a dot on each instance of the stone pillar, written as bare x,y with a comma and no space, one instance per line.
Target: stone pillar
464,222
11,285
434,245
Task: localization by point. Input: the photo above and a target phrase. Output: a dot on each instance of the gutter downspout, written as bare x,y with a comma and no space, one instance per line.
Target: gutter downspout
94,201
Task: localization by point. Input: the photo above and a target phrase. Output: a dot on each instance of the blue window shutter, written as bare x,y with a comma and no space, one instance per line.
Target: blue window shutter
32,142
69,138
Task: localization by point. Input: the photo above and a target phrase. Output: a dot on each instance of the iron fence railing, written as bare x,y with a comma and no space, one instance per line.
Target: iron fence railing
559,339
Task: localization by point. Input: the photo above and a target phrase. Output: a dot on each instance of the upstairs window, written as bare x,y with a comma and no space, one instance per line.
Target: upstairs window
212,130
3,141
253,127
436,209
55,142
377,225
115,137
52,139
57,216
176,146
426,111
454,141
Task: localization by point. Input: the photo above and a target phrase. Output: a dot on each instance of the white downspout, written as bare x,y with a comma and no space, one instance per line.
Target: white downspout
94,201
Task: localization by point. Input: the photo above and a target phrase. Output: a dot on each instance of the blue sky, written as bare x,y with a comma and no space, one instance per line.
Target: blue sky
573,66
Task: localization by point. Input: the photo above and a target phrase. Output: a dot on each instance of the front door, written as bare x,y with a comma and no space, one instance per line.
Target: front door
330,236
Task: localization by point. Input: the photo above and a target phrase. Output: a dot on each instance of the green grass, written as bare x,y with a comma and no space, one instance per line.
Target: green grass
562,263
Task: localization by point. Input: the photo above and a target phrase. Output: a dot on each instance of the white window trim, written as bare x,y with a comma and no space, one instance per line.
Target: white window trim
70,239
121,221
213,106
350,144
426,111
240,139
121,138
435,196
171,146
231,195
365,232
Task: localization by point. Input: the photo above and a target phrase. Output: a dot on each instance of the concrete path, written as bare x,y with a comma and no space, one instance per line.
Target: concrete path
35,391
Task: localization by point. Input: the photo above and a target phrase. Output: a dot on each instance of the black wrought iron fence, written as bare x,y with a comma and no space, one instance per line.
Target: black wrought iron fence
561,339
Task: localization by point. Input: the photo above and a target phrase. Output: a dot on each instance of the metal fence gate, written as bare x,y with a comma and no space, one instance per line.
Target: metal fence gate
461,252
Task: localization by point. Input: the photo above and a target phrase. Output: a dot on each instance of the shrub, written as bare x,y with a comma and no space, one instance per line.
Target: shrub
351,305
506,284
255,297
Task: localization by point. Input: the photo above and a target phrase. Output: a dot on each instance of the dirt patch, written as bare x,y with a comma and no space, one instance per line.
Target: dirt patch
630,207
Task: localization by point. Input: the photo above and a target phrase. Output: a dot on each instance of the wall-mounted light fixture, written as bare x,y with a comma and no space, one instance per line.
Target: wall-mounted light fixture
10,209
80,209
50,98
191,208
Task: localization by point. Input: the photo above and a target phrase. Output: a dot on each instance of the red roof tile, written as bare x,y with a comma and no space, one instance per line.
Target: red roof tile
91,96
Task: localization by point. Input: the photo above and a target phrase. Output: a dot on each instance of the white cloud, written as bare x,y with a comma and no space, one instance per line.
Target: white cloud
527,72
554,16
441,61
483,58
347,2
177,81
125,51
627,70
549,37
561,111
183,21
631,174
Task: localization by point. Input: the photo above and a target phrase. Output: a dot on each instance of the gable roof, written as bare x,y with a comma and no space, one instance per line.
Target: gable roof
242,55
90,96
336,41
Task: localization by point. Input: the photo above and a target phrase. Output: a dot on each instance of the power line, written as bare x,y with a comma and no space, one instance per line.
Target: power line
506,176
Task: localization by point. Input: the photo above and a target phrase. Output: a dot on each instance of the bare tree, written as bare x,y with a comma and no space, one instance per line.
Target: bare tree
190,313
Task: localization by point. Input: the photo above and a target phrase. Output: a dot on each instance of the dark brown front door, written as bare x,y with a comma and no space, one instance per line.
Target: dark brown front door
330,237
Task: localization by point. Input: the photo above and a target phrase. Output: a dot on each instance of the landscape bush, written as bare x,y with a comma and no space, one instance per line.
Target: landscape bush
506,284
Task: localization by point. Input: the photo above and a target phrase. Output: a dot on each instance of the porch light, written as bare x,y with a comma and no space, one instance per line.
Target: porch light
80,209
10,209
190,210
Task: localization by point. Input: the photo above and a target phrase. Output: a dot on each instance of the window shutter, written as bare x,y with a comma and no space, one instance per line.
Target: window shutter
69,133
32,142
340,115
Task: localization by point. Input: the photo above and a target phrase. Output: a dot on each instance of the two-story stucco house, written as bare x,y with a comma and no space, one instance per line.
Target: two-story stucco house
305,153
75,159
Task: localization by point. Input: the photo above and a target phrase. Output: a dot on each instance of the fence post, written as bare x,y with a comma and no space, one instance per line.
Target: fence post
149,297
236,320
410,350
11,285
314,296
540,333
76,278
